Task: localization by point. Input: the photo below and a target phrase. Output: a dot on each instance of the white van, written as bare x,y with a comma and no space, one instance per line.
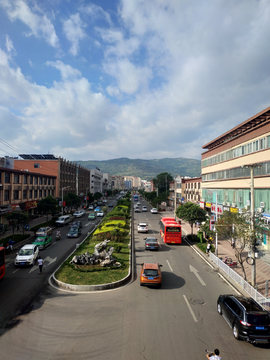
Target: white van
63,220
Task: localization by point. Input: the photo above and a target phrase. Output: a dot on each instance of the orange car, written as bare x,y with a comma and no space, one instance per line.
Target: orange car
150,274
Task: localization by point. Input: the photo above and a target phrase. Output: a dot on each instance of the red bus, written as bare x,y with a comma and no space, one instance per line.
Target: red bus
170,231
2,262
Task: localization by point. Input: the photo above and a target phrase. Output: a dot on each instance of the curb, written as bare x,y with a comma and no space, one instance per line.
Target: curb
91,288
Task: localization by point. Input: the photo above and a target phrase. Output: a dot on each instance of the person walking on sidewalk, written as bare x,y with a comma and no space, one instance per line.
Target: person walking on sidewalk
208,248
40,264
233,243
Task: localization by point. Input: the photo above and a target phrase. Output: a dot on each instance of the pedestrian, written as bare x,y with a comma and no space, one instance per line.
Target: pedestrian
208,248
233,243
40,264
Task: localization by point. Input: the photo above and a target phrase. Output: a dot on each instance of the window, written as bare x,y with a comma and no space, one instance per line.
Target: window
44,193
16,178
262,143
30,194
36,166
49,181
7,178
16,195
25,179
24,194
40,193
6,195
31,180
35,180
40,181
35,194
45,181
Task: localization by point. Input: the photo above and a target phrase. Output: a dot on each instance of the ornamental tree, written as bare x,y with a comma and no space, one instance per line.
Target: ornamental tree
191,213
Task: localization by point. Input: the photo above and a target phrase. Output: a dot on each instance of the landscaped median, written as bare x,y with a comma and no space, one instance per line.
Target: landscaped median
114,227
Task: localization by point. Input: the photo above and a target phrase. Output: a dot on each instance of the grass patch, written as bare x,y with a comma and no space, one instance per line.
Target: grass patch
94,275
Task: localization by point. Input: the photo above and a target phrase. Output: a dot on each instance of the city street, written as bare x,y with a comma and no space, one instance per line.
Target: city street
178,321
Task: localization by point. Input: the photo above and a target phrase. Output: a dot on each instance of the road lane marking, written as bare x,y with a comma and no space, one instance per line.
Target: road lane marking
189,307
169,266
195,271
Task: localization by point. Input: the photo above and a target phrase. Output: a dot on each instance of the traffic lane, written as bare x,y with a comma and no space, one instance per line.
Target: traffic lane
199,287
21,285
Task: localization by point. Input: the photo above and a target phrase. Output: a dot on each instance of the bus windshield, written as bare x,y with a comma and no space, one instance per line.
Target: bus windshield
172,229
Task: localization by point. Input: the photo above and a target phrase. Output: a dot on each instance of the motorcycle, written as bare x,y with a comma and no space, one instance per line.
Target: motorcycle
9,246
58,236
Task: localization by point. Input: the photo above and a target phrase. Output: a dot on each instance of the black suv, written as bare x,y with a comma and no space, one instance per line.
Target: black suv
77,224
248,320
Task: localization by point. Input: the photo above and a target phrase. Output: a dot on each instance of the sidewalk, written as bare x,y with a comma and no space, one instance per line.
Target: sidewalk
225,250
32,223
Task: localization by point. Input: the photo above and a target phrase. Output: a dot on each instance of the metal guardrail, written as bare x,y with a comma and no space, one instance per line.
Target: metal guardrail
265,302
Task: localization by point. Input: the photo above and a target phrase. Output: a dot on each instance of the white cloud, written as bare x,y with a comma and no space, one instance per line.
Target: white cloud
74,30
67,72
40,26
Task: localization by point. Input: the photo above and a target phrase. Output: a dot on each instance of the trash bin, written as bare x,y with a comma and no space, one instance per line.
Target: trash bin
200,236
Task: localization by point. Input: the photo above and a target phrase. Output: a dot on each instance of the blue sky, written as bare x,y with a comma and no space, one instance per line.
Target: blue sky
149,79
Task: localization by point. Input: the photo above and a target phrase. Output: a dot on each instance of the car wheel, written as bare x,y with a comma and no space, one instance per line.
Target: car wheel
159,286
141,284
235,332
219,310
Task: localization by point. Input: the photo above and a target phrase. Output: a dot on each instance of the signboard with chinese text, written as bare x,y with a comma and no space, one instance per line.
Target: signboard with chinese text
233,210
218,209
202,204
208,205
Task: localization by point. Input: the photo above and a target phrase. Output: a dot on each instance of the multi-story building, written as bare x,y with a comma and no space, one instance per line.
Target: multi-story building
106,182
22,189
135,180
191,188
96,180
118,182
70,177
229,163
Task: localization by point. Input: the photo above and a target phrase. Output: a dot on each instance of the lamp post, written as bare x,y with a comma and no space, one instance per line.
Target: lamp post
252,227
216,252
63,188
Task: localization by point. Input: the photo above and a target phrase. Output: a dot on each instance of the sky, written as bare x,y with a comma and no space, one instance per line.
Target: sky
142,79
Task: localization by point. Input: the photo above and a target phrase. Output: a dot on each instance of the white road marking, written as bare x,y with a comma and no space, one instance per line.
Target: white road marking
189,307
169,266
195,271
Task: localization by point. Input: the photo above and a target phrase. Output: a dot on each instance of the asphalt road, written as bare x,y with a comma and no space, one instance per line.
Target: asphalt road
21,285
178,321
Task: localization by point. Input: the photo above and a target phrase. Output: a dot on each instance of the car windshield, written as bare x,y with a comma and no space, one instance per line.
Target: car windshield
40,239
150,272
73,230
151,240
26,252
42,230
258,319
142,225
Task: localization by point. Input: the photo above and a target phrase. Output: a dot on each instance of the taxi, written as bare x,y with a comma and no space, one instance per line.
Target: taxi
151,274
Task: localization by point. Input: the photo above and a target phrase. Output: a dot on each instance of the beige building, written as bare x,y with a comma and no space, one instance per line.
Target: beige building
227,165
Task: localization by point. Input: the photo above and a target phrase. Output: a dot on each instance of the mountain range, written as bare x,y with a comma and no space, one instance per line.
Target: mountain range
146,169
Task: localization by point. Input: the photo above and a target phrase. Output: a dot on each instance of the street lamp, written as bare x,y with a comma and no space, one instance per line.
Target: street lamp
63,188
252,212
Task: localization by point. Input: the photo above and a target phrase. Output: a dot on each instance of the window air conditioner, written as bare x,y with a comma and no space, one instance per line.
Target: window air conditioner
228,204
248,202
233,205
224,203
259,210
246,207
262,204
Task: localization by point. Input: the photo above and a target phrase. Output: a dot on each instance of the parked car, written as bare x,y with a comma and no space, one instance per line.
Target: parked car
100,213
246,317
150,274
151,243
27,255
74,232
144,208
44,231
142,228
154,211
42,241
92,216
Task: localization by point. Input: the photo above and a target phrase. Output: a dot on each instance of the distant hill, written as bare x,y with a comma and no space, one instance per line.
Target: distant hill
146,169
